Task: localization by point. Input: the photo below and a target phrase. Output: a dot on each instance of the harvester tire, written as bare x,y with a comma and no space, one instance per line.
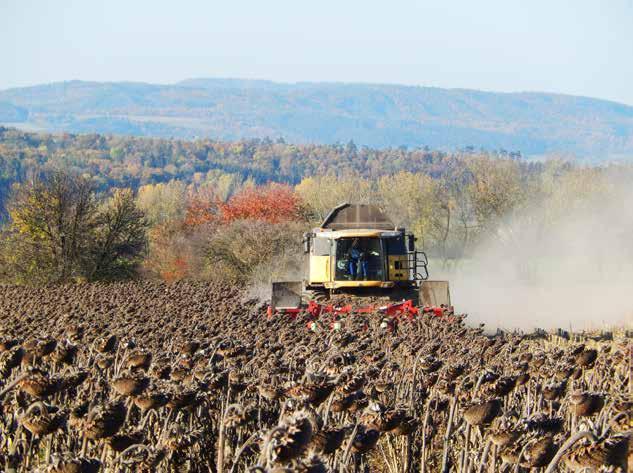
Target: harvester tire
317,295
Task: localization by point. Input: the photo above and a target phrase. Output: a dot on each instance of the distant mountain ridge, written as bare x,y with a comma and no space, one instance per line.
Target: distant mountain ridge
375,115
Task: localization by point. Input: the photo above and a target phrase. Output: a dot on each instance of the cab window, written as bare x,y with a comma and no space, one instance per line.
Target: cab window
321,246
359,259
396,246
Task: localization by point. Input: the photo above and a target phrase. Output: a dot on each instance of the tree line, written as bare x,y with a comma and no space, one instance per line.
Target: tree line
122,162
63,226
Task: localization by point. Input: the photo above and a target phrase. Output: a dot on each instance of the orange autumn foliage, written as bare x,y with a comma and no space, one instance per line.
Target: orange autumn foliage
201,211
173,243
273,203
177,270
170,254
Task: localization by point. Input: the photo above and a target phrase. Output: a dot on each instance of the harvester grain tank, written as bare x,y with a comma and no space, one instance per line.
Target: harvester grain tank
357,250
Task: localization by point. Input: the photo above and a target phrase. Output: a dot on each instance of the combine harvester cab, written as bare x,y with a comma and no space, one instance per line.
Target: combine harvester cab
359,252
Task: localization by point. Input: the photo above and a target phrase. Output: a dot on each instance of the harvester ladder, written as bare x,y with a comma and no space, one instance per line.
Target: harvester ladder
417,265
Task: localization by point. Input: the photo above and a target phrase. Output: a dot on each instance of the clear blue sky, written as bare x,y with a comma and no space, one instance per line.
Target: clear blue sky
569,46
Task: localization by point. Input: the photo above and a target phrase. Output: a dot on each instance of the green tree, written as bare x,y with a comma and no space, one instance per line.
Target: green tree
254,251
51,220
59,231
411,200
497,190
163,202
119,238
321,194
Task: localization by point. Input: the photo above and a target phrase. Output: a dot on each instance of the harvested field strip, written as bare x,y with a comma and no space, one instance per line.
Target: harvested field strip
190,377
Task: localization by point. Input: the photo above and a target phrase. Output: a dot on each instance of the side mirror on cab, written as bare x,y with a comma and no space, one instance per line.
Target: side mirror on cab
306,243
411,242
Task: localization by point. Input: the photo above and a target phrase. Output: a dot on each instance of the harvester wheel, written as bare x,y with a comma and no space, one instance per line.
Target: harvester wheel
410,293
317,295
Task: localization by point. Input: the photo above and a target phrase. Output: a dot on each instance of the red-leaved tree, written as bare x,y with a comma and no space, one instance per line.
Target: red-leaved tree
169,252
201,211
273,203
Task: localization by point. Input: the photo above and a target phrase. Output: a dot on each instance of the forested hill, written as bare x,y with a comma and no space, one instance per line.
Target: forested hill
119,161
379,116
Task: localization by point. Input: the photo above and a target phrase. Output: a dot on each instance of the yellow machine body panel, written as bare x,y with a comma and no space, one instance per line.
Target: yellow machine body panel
320,269
398,268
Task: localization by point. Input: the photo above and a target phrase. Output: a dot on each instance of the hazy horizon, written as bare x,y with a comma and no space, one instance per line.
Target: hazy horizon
291,82
572,48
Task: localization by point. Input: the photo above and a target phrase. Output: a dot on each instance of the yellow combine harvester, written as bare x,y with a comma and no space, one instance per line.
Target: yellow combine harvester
357,250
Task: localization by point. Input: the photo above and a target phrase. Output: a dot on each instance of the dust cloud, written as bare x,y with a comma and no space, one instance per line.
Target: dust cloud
574,274
285,268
